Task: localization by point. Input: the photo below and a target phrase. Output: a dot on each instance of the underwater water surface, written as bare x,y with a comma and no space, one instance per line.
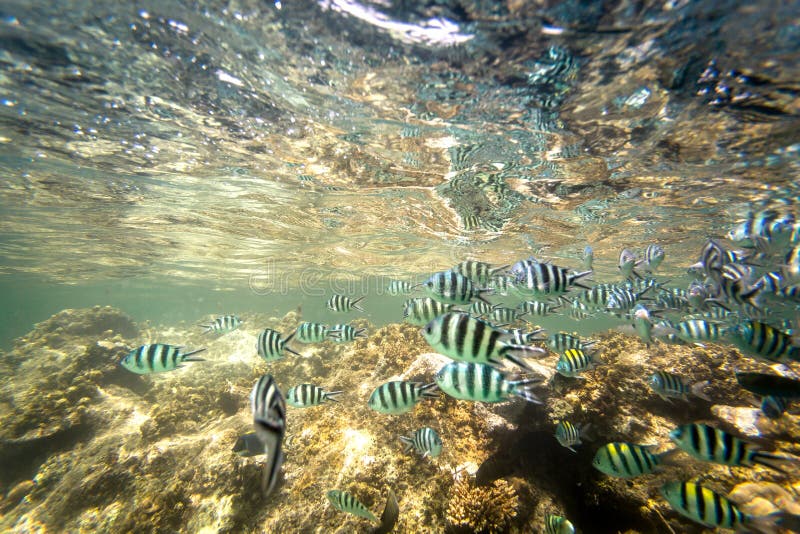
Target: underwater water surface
235,176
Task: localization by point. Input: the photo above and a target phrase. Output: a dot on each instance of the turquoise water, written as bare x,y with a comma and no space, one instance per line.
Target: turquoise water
184,160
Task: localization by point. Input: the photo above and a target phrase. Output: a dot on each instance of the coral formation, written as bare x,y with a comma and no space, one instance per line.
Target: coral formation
94,447
481,509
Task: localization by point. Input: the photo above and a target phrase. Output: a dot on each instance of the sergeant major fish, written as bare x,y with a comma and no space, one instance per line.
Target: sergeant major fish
343,303
398,287
450,287
711,444
477,271
400,396
420,311
225,323
482,383
342,333
270,346
345,502
671,385
465,338
574,361
269,419
311,332
157,358
569,435
626,460
306,395
425,440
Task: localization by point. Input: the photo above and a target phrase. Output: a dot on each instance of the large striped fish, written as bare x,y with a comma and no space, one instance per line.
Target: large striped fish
157,358
269,419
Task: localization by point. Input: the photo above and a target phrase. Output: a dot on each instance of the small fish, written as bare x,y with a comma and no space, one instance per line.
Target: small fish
420,311
270,346
344,502
561,341
520,337
588,258
765,342
480,307
450,287
501,316
627,264
342,333
626,460
694,330
224,324
425,440
574,361
539,308
482,383
306,395
501,284
399,287
653,256
269,419
400,396
711,509
556,524
464,338
536,278
671,385
773,407
248,445
343,303
157,358
311,332
711,444
477,271
569,435
769,384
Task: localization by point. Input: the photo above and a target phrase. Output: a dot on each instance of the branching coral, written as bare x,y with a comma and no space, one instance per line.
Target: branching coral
485,509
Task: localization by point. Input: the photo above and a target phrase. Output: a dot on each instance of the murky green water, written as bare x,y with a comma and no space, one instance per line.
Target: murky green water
181,160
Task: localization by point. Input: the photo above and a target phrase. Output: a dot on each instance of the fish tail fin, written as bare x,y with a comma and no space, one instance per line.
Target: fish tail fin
331,395
361,332
391,512
522,388
355,304
772,461
430,391
698,390
207,328
188,356
408,443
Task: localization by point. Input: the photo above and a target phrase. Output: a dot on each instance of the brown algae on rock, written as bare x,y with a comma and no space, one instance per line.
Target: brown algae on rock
94,447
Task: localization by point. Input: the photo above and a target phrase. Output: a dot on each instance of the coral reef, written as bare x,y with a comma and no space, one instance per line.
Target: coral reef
482,509
91,446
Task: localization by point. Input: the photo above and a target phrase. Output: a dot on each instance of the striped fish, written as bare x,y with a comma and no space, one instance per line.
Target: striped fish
574,361
311,332
556,524
627,264
671,385
344,502
398,287
568,435
561,341
763,341
520,337
501,316
536,278
425,440
482,383
539,308
343,303
269,419
480,307
226,323
706,507
626,460
306,395
579,311
653,256
342,333
420,311
711,444
478,271
694,330
157,358
451,287
270,346
467,339
501,283
400,396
